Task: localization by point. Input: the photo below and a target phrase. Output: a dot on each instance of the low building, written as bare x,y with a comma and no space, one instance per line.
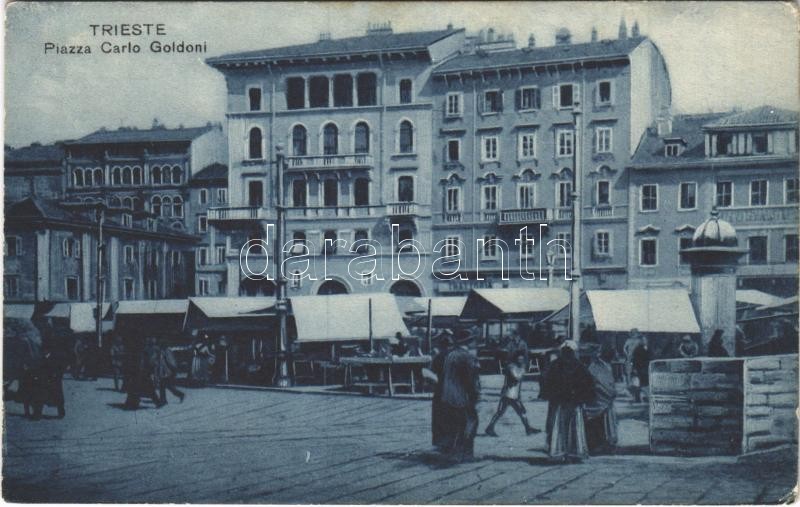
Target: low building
34,171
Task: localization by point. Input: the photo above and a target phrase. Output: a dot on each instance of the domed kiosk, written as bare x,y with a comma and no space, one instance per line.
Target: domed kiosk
713,256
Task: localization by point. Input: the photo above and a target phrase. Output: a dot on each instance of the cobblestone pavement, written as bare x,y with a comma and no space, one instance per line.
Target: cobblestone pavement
245,446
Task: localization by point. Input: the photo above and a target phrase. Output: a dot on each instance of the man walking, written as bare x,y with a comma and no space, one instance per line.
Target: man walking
167,369
460,391
510,396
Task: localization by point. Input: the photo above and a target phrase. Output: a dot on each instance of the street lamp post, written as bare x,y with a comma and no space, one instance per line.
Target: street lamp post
282,377
101,216
577,177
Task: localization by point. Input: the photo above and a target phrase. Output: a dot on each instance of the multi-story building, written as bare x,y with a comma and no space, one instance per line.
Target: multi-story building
504,154
354,117
744,164
208,189
50,254
34,171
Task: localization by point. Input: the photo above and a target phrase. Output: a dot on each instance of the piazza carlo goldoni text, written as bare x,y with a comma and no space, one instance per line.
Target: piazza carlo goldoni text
118,45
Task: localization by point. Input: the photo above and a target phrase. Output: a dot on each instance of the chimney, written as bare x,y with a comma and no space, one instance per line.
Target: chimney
490,35
449,26
623,29
324,36
531,41
594,34
635,29
563,37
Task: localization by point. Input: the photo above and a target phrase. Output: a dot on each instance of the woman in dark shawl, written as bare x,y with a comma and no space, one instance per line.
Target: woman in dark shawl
601,419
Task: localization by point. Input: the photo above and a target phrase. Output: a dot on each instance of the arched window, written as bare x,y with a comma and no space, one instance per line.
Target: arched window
88,180
136,204
166,207
127,203
254,146
361,192
155,205
330,139
126,175
299,141
406,137
99,177
77,177
362,138
116,176
177,207
137,175
114,202
177,175
155,175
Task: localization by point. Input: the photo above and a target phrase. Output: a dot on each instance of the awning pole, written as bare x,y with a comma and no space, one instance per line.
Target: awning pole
430,325
370,325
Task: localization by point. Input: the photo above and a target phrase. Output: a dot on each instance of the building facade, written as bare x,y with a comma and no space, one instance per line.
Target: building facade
742,163
208,189
34,171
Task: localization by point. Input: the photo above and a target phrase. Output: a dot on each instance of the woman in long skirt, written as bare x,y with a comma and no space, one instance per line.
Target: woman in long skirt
601,418
202,361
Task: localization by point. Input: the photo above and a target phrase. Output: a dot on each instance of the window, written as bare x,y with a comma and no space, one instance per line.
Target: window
760,142
790,248
683,244
489,148
127,288
757,250
451,246
724,194
604,93
343,90
174,258
222,195
299,141
453,150
202,223
295,93
404,235
453,202
528,245
604,139
155,175
564,195
492,101
527,145
71,283
98,177
137,175
367,89
202,256
77,178
489,198
688,196
528,98
791,194
490,246
362,138
10,286
67,247
202,196
318,91
649,198
255,193
453,104
405,91
116,175
166,206
203,287
405,189
648,252
220,254
299,193
602,243
360,238
127,220
603,195
129,254
565,240
672,149
564,139
331,192
13,246
155,205
254,94
406,137
758,193
329,242
330,139
565,95
127,177
526,195
254,144
361,192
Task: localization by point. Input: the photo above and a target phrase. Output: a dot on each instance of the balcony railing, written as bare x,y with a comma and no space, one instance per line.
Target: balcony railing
331,161
402,209
524,216
602,211
453,217
239,213
563,213
331,212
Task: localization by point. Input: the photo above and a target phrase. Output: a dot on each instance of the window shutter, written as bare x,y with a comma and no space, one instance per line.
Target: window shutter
576,93
481,103
518,99
770,144
555,97
594,141
500,100
77,249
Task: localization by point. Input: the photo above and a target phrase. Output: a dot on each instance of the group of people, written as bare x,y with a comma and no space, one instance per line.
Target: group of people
151,375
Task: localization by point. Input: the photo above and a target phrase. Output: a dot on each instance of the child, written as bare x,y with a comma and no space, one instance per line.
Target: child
510,395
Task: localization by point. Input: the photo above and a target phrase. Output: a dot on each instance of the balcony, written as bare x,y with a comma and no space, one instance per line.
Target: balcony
563,214
453,217
602,212
331,212
524,216
357,161
402,209
242,213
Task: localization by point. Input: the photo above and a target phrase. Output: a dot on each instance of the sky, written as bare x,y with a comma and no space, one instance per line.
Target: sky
719,55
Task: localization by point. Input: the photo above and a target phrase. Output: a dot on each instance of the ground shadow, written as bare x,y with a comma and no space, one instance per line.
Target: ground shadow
23,416
436,460
122,406
109,389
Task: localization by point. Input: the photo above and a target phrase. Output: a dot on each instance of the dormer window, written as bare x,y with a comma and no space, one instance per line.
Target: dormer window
672,149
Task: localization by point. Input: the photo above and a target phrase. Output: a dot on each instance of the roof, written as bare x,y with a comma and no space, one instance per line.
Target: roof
759,116
605,49
371,43
215,171
81,316
649,311
228,307
756,297
18,311
128,135
490,304
35,155
153,306
346,317
688,128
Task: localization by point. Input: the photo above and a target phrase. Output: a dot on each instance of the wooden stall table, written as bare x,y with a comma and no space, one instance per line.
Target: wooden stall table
388,366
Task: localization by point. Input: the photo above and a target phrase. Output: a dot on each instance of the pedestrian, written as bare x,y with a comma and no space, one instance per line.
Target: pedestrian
633,341
641,369
438,429
687,347
601,418
516,346
167,369
79,364
460,391
42,384
715,346
202,359
567,387
144,382
510,395
117,362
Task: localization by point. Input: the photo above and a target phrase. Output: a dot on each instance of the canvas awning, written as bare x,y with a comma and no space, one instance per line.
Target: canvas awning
230,314
649,311
18,311
753,297
159,318
154,306
81,316
513,304
445,311
345,317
